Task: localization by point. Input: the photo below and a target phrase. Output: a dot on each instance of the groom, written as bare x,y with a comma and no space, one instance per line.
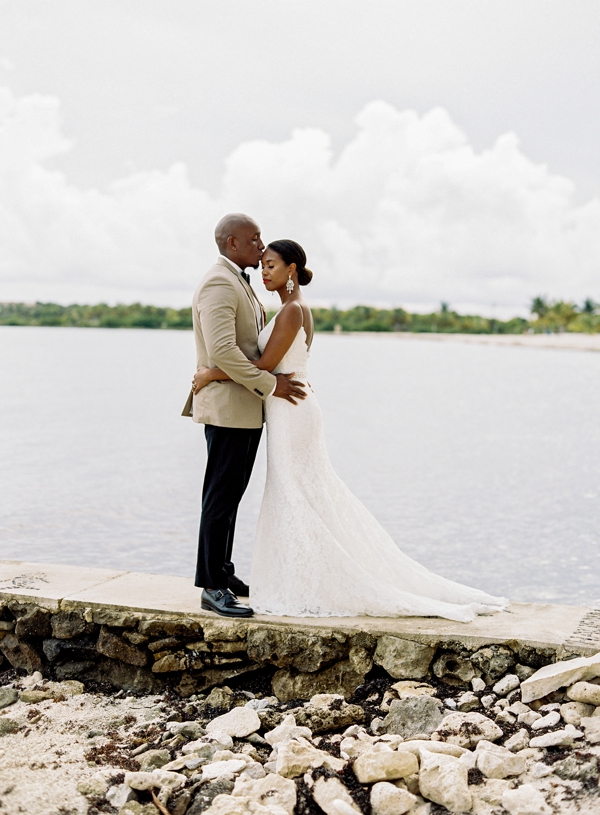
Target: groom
227,318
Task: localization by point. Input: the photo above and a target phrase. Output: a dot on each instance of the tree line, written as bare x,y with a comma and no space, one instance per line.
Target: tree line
546,316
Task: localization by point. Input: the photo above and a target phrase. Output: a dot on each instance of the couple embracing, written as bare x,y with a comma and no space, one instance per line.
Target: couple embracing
318,551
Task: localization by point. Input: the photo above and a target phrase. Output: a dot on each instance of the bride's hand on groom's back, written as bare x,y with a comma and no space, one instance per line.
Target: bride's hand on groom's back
201,378
288,388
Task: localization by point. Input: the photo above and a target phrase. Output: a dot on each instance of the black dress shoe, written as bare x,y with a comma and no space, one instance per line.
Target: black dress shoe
237,586
225,603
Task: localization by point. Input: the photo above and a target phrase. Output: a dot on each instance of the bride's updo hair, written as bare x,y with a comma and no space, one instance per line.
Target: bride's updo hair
292,252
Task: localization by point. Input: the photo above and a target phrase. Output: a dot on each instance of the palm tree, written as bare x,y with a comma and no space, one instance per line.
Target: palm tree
539,306
589,306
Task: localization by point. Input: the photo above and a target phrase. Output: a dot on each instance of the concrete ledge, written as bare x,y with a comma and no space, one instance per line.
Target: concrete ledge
140,630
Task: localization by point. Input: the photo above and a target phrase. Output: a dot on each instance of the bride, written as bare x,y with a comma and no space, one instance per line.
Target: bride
318,551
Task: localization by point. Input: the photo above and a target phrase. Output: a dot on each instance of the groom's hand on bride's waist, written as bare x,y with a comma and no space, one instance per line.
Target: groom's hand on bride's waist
288,388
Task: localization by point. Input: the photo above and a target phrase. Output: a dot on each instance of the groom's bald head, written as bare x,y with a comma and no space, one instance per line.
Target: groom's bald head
230,226
238,238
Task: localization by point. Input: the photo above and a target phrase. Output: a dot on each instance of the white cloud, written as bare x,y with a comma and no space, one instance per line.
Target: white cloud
407,213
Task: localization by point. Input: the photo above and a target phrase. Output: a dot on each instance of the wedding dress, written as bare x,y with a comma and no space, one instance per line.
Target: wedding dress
318,551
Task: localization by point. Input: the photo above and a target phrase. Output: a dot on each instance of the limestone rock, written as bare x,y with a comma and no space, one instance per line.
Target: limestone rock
524,671
8,696
114,647
519,741
468,701
93,787
220,699
69,624
34,697
585,692
413,715
591,727
326,700
238,723
340,678
32,621
498,762
525,800
218,768
507,684
287,648
415,746
240,805
199,748
59,650
156,778
272,789
384,765
153,759
189,730
487,798
467,729
135,808
560,675
478,684
206,793
444,780
286,730
387,799
529,717
403,658
493,661
323,719
119,795
69,687
517,708
557,738
126,677
574,712
454,669
295,757
327,791
7,726
168,663
153,629
549,720
409,687
21,655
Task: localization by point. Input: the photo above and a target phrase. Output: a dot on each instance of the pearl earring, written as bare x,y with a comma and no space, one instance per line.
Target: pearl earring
290,284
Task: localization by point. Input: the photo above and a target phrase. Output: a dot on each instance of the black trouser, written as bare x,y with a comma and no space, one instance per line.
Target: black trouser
231,454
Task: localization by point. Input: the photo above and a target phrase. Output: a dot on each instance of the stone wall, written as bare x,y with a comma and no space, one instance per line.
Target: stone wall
144,653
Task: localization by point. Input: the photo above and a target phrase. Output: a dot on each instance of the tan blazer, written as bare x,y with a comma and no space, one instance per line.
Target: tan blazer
226,327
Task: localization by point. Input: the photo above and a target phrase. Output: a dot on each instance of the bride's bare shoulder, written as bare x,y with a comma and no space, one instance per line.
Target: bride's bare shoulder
291,315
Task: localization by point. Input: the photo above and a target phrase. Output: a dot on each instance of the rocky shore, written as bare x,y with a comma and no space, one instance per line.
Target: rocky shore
460,740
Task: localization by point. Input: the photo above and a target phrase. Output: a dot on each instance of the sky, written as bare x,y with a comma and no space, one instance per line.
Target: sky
420,151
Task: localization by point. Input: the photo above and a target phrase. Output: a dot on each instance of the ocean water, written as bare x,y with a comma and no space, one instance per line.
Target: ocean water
483,463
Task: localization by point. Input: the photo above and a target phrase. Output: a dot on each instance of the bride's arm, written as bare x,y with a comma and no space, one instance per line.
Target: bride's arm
287,325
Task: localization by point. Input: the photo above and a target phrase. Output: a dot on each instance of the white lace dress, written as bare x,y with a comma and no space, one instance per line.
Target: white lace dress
318,551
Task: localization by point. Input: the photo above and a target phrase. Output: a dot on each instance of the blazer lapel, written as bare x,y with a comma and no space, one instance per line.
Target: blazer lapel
249,292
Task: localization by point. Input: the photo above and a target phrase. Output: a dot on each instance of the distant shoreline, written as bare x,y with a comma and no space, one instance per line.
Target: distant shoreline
566,341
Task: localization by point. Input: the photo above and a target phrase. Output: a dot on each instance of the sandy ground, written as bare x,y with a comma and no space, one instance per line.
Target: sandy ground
42,764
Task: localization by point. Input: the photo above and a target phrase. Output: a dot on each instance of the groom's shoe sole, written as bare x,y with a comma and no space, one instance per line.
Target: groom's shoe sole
227,613
225,604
